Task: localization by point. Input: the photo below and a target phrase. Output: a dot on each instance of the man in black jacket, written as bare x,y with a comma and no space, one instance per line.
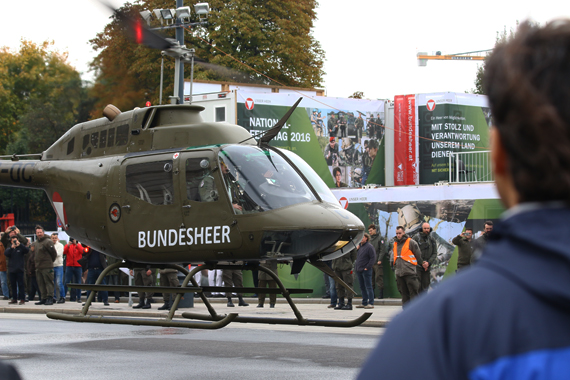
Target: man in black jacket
365,260
16,253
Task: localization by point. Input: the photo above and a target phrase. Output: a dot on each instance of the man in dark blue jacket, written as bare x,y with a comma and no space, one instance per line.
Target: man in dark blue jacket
508,316
365,260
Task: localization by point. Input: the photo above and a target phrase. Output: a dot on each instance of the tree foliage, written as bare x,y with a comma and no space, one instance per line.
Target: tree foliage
357,95
502,36
41,97
273,37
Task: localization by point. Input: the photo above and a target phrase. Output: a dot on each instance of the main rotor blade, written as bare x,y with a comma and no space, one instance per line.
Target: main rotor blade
137,32
327,270
270,134
226,72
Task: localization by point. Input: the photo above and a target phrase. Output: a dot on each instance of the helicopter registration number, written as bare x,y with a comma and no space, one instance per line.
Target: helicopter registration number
184,236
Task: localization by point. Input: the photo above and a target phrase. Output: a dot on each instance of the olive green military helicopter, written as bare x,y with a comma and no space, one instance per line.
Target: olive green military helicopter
159,186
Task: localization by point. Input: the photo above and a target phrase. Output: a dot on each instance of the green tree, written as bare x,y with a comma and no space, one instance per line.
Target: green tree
273,37
502,36
41,97
357,95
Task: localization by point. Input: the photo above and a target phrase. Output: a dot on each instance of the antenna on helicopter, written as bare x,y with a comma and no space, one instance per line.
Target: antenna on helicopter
267,136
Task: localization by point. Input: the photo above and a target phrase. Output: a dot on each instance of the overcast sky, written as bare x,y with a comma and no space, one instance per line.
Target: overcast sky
370,45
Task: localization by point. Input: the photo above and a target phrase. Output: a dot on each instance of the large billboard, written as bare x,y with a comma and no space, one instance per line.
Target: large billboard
449,122
447,209
405,141
341,139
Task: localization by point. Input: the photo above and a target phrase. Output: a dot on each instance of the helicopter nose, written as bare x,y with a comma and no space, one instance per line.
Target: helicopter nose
326,230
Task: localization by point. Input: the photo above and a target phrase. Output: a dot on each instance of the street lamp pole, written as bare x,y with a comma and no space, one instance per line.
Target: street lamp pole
179,68
178,50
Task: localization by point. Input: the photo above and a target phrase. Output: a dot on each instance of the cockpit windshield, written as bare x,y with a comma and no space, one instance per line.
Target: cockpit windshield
259,180
318,184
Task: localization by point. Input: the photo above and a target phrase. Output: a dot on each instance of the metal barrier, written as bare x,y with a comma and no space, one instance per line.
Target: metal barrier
467,167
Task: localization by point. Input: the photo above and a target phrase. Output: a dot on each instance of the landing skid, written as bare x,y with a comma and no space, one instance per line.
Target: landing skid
199,321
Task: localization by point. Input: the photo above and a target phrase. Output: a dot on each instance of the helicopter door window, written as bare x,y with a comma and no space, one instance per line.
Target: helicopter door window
103,139
151,182
70,146
122,135
200,185
95,140
85,141
111,138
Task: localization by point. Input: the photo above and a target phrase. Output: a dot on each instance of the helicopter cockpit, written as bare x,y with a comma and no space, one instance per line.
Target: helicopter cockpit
258,180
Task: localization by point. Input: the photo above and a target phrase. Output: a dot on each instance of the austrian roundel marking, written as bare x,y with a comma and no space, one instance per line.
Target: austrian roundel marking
115,213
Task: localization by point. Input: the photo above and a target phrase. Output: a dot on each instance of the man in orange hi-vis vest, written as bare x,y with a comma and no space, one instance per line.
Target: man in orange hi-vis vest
405,256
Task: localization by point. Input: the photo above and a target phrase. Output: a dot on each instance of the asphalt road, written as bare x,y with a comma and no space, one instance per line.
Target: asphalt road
46,349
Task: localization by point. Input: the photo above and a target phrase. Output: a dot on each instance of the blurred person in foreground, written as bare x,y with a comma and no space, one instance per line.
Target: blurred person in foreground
507,316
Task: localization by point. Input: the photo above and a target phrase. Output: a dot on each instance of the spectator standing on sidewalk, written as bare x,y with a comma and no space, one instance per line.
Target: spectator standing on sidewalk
168,277
266,280
45,256
144,277
16,253
464,248
428,248
405,258
343,267
96,262
73,252
114,277
31,274
58,291
365,260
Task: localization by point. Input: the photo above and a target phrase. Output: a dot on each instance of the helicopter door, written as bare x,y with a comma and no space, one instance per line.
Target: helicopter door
151,203
206,213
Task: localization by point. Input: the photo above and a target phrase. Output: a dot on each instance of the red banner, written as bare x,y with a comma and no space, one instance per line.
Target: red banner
405,151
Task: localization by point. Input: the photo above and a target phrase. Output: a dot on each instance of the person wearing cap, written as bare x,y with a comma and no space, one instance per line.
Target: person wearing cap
331,152
378,268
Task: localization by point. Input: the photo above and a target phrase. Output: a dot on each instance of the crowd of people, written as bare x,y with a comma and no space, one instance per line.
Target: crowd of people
410,257
47,267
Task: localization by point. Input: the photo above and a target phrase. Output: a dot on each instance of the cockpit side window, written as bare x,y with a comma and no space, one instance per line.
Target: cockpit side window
151,182
200,184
